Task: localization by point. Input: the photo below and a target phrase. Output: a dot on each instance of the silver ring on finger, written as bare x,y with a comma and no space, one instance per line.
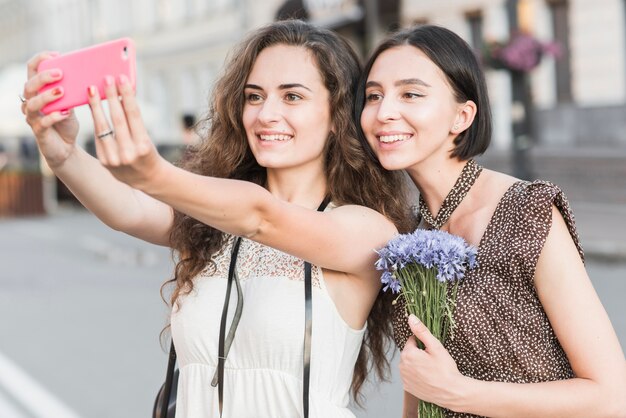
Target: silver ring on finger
22,98
105,134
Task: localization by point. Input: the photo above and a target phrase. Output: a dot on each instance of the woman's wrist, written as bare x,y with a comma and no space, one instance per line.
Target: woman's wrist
154,182
60,165
461,389
61,161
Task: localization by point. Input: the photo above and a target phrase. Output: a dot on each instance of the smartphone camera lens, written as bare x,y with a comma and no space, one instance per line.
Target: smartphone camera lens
125,53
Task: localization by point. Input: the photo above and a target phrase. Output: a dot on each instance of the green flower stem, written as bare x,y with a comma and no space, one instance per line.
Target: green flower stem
429,410
428,299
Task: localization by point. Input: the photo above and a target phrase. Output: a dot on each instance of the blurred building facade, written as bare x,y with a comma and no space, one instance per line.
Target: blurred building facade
182,44
580,98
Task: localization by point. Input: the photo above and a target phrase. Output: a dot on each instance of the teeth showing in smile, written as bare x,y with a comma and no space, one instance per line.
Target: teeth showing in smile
393,138
275,137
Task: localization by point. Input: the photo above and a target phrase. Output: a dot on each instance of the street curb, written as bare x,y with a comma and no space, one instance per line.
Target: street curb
605,251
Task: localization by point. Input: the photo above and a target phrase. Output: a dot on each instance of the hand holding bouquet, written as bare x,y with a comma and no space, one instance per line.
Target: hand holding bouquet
424,267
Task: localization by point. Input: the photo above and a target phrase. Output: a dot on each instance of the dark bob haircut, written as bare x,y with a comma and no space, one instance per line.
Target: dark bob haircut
459,64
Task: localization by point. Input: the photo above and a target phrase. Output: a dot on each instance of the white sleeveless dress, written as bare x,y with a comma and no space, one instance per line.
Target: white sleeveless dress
263,371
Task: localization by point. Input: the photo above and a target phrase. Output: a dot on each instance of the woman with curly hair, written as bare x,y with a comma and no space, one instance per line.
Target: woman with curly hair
280,142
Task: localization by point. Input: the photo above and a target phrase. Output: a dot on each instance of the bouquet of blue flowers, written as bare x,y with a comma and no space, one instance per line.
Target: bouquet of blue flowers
424,267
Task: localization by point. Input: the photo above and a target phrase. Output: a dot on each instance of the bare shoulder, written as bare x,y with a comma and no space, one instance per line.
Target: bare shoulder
470,220
489,189
493,184
364,217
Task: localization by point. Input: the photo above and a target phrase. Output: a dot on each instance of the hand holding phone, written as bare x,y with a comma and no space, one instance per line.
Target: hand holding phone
88,67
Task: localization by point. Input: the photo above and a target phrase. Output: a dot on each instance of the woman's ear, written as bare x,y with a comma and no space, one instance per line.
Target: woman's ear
464,118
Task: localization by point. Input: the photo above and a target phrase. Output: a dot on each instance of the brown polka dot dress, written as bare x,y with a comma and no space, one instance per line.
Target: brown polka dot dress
502,332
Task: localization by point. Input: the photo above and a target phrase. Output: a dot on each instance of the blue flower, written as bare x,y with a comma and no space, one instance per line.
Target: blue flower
449,254
390,282
425,267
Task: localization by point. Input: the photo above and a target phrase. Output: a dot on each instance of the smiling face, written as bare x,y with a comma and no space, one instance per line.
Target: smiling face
286,114
410,111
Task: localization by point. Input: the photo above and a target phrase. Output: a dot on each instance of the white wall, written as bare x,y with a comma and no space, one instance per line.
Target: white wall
597,42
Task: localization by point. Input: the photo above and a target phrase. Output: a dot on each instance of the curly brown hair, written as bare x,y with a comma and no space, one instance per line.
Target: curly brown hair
352,176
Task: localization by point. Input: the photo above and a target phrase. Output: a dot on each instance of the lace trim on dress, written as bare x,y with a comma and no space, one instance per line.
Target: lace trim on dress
258,260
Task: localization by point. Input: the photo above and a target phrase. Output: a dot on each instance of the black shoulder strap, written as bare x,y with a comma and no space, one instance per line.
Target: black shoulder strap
308,328
224,346
222,353
169,377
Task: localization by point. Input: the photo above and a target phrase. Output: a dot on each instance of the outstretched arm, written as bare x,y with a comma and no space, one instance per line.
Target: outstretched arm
118,205
115,203
583,329
342,239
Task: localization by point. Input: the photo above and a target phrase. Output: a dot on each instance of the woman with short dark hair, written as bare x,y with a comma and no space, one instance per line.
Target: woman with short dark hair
531,337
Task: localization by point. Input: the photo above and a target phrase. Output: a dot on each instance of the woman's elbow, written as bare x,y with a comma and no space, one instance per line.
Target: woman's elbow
614,403
619,404
616,408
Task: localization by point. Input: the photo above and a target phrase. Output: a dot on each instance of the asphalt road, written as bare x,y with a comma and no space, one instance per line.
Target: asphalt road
80,317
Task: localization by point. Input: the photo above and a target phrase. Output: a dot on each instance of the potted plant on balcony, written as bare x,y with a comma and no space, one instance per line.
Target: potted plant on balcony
522,52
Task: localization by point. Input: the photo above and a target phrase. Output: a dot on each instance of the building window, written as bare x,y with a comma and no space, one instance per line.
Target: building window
475,22
559,11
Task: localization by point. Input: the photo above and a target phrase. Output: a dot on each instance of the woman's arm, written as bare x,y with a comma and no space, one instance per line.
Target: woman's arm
409,408
114,202
342,239
585,333
583,329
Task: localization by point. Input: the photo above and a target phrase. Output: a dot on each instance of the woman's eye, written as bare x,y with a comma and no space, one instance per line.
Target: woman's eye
373,97
290,97
410,95
253,97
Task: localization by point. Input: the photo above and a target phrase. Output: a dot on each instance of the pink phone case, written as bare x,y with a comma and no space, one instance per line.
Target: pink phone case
88,67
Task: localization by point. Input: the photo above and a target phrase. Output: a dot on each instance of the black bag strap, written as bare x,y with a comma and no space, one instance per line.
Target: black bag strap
233,327
308,328
224,346
167,387
222,352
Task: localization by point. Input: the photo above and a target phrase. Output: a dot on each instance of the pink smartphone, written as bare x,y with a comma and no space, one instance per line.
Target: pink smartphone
88,67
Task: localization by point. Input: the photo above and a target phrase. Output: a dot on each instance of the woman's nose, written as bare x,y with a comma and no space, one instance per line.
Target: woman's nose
270,111
387,110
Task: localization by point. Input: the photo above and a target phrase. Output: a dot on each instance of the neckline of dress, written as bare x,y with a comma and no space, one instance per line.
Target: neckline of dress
496,214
